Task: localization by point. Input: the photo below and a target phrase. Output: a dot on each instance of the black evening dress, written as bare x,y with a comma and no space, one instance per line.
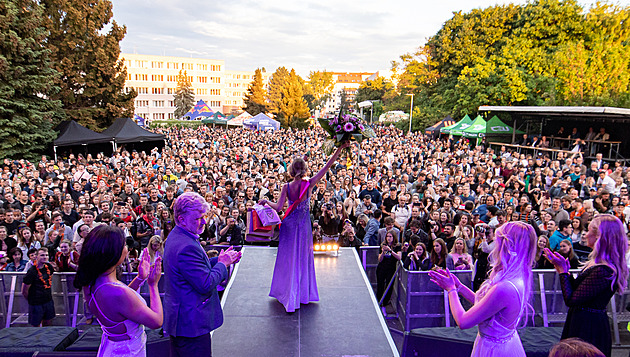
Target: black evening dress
587,297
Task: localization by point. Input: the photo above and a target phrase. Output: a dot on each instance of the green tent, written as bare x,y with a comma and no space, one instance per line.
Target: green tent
477,128
457,128
496,127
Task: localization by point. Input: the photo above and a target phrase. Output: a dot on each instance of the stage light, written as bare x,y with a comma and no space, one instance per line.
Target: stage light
329,247
335,247
316,247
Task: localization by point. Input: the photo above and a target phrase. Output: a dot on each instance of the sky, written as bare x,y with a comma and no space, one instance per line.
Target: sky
307,35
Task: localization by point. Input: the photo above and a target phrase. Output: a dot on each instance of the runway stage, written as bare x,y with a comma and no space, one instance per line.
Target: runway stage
345,322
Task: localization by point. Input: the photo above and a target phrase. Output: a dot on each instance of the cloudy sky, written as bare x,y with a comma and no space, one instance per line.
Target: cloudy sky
335,35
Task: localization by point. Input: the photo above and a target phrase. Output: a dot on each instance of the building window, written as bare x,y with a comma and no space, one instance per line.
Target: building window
215,92
171,103
202,79
171,116
158,104
170,90
157,78
172,65
202,67
157,64
157,90
142,77
215,103
142,90
215,80
142,103
202,91
158,116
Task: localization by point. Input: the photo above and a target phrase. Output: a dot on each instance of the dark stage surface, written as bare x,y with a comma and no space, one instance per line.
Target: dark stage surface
345,322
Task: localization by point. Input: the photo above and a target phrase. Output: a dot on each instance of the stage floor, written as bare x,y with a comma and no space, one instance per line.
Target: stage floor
345,322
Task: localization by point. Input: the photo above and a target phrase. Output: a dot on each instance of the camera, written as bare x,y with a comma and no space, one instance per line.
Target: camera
480,229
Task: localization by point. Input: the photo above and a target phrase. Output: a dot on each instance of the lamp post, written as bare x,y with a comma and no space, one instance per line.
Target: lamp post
410,112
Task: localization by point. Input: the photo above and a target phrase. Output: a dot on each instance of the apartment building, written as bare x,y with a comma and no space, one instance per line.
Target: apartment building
347,82
155,78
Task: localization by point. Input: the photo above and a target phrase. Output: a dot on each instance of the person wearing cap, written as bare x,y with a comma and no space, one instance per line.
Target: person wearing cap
390,201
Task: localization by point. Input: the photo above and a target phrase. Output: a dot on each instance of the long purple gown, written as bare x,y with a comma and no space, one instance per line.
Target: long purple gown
294,273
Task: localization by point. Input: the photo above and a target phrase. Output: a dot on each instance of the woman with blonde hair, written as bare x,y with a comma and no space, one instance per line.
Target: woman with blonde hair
458,258
502,299
294,281
605,273
154,249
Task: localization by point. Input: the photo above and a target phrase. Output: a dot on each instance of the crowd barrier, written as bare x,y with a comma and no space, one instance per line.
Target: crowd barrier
418,301
69,301
421,303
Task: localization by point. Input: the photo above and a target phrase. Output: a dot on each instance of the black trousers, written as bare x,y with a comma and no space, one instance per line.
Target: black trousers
191,346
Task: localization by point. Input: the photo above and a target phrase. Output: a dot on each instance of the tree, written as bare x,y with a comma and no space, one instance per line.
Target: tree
276,85
294,111
318,88
373,89
255,98
545,52
26,82
92,76
184,97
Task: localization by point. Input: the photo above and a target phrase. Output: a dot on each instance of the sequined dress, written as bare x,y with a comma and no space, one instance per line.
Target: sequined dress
294,281
495,339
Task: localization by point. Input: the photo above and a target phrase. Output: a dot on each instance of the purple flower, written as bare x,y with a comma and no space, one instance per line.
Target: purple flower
349,127
361,127
338,129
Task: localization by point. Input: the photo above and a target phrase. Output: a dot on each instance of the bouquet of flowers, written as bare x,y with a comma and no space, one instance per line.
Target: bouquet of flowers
342,128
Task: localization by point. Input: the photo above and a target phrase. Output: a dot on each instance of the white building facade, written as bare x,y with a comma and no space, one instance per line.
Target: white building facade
155,79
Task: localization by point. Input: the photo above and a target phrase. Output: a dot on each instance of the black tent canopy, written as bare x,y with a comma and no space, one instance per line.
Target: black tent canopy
125,130
73,133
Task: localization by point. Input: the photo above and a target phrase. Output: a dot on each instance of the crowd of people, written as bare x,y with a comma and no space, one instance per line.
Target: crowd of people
429,203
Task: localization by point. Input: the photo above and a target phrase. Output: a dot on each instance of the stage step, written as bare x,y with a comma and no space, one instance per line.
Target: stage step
345,322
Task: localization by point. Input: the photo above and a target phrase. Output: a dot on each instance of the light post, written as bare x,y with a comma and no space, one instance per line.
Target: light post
410,112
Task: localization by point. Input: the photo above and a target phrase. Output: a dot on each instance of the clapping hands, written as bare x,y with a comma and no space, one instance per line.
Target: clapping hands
444,279
561,263
229,256
147,271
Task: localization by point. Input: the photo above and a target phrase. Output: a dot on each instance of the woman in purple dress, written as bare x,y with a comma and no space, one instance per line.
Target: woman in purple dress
294,280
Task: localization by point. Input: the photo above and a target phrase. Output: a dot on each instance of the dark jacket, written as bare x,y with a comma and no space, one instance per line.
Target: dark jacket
191,303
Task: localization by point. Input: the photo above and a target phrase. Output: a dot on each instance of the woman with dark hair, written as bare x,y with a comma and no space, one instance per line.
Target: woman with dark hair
439,253
418,259
120,310
605,273
388,258
16,260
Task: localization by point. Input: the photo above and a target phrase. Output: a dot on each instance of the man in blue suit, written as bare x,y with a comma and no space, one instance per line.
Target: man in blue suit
191,304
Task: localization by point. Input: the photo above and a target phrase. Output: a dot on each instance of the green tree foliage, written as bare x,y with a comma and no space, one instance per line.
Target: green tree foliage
375,89
294,111
255,98
26,79
318,88
92,76
546,52
184,97
277,83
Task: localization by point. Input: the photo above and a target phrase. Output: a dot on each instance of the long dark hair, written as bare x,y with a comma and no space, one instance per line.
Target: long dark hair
102,250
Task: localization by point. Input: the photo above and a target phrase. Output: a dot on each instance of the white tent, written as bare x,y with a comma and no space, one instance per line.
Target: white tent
238,121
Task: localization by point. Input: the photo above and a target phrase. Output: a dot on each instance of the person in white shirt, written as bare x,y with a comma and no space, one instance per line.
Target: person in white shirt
605,181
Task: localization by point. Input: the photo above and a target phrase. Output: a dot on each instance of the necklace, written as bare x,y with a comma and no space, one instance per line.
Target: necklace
48,284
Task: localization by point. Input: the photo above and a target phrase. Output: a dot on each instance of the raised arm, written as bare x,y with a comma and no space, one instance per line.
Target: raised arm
330,162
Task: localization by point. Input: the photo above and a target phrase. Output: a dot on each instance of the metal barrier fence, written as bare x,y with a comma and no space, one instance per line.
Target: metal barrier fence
69,301
418,301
